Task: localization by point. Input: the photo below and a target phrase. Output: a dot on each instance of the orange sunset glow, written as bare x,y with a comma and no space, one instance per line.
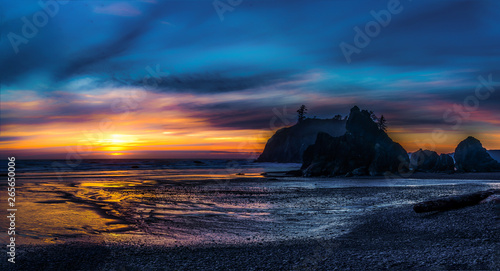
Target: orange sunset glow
127,133
118,123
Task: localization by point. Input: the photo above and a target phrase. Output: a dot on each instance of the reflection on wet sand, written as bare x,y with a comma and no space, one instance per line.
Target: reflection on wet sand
149,206
49,214
108,204
169,208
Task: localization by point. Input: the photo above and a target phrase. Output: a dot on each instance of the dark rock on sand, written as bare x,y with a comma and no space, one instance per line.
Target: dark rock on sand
363,149
288,144
430,161
424,160
454,202
470,156
445,164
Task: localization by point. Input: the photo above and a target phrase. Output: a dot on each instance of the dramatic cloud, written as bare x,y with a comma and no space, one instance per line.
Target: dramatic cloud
169,72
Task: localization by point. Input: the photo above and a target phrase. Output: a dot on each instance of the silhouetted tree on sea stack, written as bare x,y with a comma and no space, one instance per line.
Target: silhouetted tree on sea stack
373,116
382,123
302,112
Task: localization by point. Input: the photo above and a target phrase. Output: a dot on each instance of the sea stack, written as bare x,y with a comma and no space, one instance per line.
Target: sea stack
470,156
364,149
288,144
430,161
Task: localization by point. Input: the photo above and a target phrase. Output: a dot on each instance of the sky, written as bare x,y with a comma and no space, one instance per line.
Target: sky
215,79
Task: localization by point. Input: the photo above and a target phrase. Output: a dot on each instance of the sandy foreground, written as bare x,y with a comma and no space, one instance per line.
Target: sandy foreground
392,237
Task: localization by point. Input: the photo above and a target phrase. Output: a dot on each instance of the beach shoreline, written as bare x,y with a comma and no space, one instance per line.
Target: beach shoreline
387,237
395,239
409,176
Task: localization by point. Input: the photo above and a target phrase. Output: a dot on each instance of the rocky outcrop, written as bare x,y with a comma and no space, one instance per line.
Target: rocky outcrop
363,149
470,156
495,154
445,164
423,160
430,161
288,144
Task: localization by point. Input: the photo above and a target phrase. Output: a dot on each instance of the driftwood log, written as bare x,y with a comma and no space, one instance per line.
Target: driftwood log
453,202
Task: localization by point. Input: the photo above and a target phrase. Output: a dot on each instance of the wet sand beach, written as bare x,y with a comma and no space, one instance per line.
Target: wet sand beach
393,239
285,224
